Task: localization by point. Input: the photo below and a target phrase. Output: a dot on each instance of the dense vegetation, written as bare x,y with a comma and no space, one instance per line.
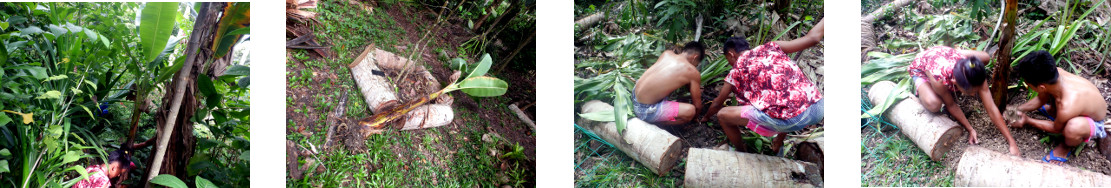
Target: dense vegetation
82,79
616,40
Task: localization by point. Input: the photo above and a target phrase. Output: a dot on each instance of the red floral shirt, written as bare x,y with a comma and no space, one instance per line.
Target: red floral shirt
766,79
98,178
939,61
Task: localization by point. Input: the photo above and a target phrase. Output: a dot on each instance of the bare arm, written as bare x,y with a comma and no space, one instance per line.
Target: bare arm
983,56
812,38
997,117
1033,104
951,106
719,102
696,89
993,111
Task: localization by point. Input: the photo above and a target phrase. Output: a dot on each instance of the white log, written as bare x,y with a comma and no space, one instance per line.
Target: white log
653,147
716,168
812,151
981,167
376,89
934,133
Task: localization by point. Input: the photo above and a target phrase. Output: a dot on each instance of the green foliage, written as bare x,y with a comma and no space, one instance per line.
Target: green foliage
233,25
67,73
155,28
477,84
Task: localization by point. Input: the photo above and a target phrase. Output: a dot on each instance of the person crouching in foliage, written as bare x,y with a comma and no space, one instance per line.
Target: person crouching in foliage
670,72
1072,104
940,71
775,95
103,175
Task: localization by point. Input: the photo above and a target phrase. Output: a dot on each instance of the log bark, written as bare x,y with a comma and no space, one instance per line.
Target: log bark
521,114
1003,56
867,33
934,133
379,94
980,167
182,100
376,89
653,147
716,168
589,21
812,151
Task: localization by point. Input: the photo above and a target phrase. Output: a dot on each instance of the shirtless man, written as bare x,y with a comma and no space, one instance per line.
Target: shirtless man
1074,106
674,69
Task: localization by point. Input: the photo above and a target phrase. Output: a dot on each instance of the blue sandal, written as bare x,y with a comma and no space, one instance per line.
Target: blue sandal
1049,157
1046,113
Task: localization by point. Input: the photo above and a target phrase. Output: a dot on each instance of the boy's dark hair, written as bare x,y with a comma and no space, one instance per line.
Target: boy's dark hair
969,72
694,47
1038,68
735,44
120,156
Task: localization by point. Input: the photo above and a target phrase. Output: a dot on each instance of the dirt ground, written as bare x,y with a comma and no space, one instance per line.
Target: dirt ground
499,121
1028,139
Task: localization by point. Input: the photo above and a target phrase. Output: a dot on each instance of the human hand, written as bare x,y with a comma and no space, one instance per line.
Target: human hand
972,137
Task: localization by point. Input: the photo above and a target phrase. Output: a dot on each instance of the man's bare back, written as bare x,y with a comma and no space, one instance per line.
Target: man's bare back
670,72
1081,96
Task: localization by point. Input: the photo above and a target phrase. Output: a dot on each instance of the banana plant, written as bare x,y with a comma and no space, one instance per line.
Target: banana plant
476,84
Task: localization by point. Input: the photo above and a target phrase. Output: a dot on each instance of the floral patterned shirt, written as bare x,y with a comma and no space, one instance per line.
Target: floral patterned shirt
766,79
98,178
939,61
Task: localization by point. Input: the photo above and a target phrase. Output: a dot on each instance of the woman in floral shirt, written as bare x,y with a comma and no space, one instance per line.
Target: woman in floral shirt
940,71
775,95
102,175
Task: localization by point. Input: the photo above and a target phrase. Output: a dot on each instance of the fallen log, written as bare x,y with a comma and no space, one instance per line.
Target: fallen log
812,151
588,21
980,167
521,114
653,147
934,133
379,94
716,168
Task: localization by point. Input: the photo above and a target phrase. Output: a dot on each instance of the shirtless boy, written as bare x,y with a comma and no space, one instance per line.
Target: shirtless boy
674,69
1074,106
776,96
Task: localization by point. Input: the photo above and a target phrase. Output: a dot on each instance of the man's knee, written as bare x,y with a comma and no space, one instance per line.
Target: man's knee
686,112
1076,130
729,113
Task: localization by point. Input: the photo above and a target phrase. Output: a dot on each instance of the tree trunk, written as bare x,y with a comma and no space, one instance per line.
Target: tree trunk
715,168
867,33
653,147
934,133
505,60
489,9
812,151
980,167
175,141
1003,56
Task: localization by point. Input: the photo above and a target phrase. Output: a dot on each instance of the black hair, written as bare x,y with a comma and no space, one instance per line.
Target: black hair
969,72
1038,68
735,44
122,157
694,47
